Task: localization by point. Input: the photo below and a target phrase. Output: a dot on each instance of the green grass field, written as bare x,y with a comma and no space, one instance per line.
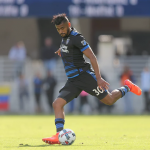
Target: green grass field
92,132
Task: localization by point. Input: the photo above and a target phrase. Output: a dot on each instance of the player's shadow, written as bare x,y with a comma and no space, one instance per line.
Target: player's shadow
26,145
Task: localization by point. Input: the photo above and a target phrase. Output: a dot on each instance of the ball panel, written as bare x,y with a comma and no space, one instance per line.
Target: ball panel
67,137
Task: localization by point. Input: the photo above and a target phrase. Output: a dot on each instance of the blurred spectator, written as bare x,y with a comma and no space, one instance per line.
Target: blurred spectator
37,90
117,52
101,106
71,106
145,85
127,74
23,91
83,99
145,53
49,86
129,50
48,54
18,54
85,108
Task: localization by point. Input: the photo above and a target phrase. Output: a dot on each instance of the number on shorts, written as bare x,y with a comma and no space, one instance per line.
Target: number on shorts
98,91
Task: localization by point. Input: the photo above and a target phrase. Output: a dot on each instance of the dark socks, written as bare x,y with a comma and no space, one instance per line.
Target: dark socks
124,90
59,122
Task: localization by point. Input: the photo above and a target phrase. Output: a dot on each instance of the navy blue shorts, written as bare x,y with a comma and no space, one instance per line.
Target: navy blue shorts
84,82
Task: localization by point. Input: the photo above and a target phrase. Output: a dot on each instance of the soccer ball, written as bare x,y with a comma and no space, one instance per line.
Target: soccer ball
66,137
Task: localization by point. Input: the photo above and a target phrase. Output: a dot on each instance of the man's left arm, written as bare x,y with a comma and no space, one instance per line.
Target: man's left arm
80,42
100,81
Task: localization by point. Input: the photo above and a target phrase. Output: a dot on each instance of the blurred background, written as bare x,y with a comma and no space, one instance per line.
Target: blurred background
31,74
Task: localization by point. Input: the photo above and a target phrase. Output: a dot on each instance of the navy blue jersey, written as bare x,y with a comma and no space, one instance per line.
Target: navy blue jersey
72,48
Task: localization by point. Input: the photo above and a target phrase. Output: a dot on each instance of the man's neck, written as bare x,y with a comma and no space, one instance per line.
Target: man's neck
69,31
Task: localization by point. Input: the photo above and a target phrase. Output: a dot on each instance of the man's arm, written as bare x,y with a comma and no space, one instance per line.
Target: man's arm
100,81
58,52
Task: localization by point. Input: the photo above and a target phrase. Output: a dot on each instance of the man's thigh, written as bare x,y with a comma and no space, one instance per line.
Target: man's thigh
87,82
69,92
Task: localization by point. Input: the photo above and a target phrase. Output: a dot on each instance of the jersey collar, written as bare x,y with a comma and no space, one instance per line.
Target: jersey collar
72,32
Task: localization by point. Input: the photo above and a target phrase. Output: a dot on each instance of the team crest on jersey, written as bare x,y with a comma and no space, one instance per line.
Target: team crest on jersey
83,42
64,49
67,41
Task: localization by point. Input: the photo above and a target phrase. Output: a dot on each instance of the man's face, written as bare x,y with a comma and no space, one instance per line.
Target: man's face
63,29
48,42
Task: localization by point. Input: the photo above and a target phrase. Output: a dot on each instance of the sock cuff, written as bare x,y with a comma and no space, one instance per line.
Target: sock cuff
59,120
124,90
122,93
128,89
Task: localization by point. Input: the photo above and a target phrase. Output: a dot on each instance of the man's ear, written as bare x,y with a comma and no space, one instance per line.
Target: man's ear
69,24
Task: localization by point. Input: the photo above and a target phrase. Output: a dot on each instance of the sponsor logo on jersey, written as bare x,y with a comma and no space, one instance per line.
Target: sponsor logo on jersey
64,49
67,41
83,42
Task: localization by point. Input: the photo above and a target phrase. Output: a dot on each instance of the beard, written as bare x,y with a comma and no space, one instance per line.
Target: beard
66,35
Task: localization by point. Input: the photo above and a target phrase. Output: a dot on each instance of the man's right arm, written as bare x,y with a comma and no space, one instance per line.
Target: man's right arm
58,52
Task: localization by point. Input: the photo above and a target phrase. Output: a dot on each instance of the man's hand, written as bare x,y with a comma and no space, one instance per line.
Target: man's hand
102,84
58,52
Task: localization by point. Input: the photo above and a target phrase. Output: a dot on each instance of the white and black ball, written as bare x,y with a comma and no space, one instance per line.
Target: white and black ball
67,137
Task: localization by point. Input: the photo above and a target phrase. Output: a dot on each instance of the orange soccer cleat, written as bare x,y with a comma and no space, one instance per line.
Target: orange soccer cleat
133,88
52,140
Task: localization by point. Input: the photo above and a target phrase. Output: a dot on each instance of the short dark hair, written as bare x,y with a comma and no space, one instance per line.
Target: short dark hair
58,19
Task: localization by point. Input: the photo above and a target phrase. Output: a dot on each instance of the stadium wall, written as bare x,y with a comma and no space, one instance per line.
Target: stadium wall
16,29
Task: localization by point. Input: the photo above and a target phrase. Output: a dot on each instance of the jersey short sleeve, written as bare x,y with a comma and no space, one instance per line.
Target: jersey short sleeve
80,42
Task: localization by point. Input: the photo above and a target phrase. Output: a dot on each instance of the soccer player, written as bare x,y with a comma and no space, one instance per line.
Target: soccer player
80,75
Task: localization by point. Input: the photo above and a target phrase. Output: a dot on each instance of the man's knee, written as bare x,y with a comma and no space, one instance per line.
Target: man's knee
55,104
59,103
